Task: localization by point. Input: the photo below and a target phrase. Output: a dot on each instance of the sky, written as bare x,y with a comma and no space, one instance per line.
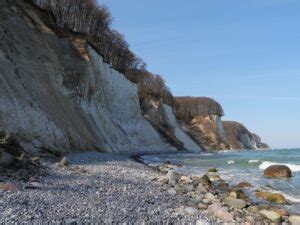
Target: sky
243,53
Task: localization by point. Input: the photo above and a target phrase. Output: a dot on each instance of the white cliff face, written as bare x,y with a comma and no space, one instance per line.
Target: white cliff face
51,95
188,143
246,141
219,125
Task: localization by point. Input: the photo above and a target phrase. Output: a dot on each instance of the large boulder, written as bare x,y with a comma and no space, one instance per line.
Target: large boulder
278,171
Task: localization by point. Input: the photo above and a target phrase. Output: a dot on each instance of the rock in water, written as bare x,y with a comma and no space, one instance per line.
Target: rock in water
271,215
278,171
243,185
271,197
235,203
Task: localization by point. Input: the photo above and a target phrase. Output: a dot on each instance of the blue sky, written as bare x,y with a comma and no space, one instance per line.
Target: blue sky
245,54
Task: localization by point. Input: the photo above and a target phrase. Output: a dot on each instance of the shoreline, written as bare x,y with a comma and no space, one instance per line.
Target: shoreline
95,187
110,187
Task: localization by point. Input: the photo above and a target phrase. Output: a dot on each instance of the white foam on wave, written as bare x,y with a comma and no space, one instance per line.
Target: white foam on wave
252,161
266,164
231,162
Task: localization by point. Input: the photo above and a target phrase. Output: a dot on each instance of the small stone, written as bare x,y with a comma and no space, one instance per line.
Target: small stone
202,206
239,194
220,212
172,191
179,189
34,185
294,220
64,162
214,177
186,179
180,210
201,222
209,198
271,215
235,203
191,210
201,188
163,180
11,187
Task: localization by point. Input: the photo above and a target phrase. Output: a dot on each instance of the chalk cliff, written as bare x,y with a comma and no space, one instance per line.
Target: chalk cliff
57,92
162,117
60,96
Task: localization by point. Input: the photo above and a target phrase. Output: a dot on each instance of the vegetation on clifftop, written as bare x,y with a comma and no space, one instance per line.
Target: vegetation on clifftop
94,21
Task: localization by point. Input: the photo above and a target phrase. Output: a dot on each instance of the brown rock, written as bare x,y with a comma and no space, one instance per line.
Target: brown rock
243,185
10,187
278,171
271,197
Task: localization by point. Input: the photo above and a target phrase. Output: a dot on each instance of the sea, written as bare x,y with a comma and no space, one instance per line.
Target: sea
238,166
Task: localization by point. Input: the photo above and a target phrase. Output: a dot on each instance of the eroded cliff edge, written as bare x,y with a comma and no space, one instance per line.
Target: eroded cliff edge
202,117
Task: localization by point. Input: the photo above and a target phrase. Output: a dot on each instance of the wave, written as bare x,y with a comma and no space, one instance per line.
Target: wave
251,161
231,162
266,164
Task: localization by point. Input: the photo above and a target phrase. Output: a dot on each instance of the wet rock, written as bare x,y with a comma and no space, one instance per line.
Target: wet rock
64,162
278,171
271,215
294,220
271,197
235,203
6,159
243,185
239,194
214,170
214,177
205,180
